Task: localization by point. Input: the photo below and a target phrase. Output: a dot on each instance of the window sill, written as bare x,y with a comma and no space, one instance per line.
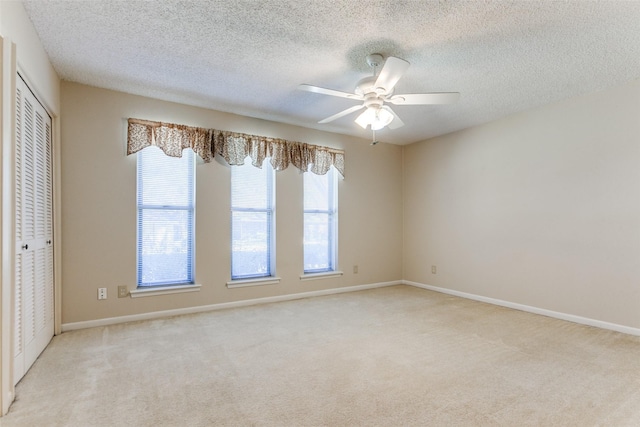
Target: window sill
242,283
163,290
323,275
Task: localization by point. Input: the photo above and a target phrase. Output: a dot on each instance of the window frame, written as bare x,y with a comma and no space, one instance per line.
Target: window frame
332,213
191,208
270,276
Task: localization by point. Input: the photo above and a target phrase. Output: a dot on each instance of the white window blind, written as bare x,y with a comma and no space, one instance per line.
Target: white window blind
166,209
320,222
252,221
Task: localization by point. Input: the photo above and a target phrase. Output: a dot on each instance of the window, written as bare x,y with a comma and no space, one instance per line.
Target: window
320,222
252,221
166,209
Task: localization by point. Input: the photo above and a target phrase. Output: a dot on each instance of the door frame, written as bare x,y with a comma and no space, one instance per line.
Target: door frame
8,75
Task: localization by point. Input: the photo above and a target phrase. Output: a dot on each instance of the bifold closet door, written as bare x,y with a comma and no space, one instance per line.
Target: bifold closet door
33,289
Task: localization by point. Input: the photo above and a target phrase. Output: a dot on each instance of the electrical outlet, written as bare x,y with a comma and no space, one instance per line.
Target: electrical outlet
123,292
102,293
433,269
355,269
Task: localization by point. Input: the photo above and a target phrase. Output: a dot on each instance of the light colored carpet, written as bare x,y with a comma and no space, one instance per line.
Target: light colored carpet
385,357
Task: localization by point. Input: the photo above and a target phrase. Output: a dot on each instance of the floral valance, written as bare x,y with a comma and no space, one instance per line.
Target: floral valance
232,146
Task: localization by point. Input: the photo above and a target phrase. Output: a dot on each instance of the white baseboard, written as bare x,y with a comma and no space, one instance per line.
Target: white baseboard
244,303
66,327
549,313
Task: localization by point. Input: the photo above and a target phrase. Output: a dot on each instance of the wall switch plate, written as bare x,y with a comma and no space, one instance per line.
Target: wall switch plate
433,269
123,292
102,293
355,269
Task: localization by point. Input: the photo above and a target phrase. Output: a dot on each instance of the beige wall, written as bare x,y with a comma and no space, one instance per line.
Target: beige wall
99,208
541,208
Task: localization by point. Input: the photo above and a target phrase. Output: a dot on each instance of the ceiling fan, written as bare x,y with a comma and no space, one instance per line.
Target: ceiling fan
375,90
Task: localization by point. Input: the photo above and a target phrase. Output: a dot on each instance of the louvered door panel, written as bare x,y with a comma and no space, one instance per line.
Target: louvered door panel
28,299
49,295
40,288
28,170
40,147
18,165
18,337
18,333
34,231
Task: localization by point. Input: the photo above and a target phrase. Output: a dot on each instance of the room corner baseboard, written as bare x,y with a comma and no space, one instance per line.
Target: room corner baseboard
66,327
535,310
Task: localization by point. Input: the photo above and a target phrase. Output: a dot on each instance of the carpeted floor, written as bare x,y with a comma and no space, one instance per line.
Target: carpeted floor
396,356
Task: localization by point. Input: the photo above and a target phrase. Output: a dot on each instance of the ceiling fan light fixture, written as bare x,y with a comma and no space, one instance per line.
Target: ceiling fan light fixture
381,118
376,117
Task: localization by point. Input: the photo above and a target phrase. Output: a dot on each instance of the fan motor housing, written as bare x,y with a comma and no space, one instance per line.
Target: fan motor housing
373,100
367,85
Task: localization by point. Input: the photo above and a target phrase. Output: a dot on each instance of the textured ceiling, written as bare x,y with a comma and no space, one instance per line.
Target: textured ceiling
248,57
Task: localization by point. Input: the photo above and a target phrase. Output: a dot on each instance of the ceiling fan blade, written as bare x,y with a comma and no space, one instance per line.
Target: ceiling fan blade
425,98
396,122
342,114
324,91
391,72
